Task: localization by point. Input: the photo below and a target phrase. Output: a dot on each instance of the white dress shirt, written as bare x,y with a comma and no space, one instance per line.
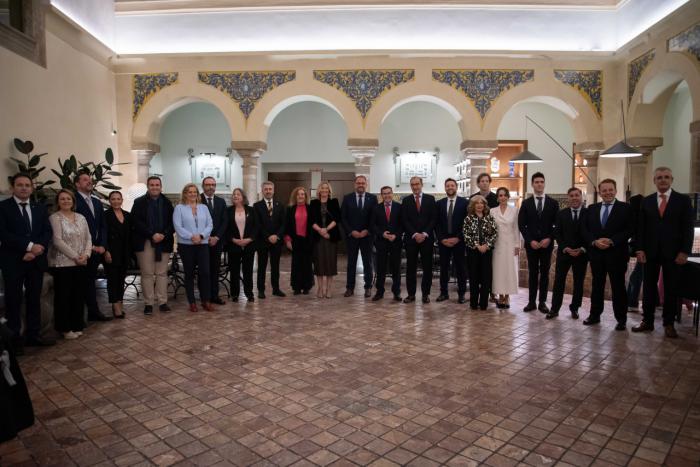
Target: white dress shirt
658,197
29,212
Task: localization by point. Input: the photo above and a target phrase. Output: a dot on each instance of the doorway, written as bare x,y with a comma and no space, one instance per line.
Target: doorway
285,182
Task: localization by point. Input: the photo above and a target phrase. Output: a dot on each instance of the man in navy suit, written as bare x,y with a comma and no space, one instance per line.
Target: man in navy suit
387,230
418,215
356,214
664,239
607,230
451,213
271,219
91,208
217,210
25,234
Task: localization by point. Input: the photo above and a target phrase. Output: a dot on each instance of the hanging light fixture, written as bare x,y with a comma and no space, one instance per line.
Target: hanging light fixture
621,149
526,157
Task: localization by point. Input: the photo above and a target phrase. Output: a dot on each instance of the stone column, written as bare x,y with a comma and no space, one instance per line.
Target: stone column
639,176
695,156
478,153
363,150
250,152
143,155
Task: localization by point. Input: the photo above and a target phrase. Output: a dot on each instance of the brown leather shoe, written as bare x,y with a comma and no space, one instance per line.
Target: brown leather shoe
193,308
643,327
670,331
208,306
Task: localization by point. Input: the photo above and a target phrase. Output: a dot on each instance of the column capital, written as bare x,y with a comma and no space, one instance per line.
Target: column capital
143,163
590,147
247,149
146,147
646,144
363,150
478,149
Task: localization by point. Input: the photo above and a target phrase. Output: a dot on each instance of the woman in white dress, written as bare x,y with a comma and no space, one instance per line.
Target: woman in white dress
506,251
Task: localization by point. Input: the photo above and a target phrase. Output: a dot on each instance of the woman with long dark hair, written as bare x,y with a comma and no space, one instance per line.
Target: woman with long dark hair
118,251
298,240
240,244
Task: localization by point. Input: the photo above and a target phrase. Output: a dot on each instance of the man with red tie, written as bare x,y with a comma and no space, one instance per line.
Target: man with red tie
664,239
387,231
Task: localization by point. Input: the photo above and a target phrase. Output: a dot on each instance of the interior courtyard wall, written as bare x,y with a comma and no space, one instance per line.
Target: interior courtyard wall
675,152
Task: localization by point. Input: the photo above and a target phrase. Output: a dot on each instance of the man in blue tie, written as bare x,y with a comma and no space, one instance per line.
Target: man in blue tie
356,216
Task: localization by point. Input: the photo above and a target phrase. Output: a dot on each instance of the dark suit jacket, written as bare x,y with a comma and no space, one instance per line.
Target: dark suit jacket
270,225
354,218
534,227
567,233
665,237
143,232
290,223
119,237
491,199
333,215
249,231
96,224
15,237
459,213
618,229
380,224
417,222
218,216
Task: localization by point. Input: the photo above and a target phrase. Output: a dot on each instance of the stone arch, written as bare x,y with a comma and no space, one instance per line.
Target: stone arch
583,119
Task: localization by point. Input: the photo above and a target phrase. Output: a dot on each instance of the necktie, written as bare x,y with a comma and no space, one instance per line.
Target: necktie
418,203
359,203
539,205
575,215
606,214
88,200
662,206
269,208
25,216
210,204
387,211
450,210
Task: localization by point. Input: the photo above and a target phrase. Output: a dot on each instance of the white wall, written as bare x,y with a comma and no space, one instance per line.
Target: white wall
66,108
557,167
416,126
199,126
675,152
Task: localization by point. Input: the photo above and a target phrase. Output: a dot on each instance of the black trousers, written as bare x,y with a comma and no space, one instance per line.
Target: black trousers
413,250
214,266
23,279
90,290
241,258
650,296
538,263
614,266
69,298
578,265
454,257
362,246
302,264
273,252
115,282
195,257
480,277
388,258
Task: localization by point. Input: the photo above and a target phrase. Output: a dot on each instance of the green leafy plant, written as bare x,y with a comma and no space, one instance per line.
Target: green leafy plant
32,167
101,173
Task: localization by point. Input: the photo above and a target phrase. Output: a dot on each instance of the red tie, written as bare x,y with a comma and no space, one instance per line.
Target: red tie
662,206
418,203
387,210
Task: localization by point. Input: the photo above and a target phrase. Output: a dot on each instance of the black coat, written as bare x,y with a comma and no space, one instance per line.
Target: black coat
16,411
618,229
380,225
143,232
418,222
534,227
96,224
119,239
635,203
250,230
333,215
15,237
218,215
567,233
664,237
491,199
355,218
270,225
290,223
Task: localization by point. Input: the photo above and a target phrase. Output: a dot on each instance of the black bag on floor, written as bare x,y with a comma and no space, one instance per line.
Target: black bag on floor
16,411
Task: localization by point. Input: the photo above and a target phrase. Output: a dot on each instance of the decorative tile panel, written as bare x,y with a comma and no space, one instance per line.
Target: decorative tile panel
483,87
246,88
146,85
588,82
635,69
687,42
364,87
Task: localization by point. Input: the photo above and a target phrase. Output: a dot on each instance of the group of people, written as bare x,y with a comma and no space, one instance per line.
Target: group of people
477,238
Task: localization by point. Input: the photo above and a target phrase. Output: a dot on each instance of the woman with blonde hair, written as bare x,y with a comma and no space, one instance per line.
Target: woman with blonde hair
480,233
240,235
324,215
298,239
193,225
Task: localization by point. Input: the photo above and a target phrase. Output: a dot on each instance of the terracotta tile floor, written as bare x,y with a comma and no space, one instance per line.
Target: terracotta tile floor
302,381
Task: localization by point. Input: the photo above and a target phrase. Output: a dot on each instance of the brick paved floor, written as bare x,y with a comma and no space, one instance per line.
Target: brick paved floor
306,381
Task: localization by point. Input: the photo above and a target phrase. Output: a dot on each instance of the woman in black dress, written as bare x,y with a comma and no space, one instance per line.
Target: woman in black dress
241,231
298,239
324,215
118,251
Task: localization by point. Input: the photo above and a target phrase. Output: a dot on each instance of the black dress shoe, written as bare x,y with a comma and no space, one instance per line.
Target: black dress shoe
574,314
377,297
250,298
38,342
461,300
261,295
620,327
397,298
297,292
552,315
305,291
148,310
349,293
529,307
425,299
278,293
591,321
99,317
164,308
409,299
368,293
643,327
543,308
442,297
218,301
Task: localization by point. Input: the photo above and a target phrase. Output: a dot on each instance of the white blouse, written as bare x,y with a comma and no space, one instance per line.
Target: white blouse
71,239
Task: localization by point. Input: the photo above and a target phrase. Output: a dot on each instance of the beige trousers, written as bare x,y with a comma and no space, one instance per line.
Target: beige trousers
154,275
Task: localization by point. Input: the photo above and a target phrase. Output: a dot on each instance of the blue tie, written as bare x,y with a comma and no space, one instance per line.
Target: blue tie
606,214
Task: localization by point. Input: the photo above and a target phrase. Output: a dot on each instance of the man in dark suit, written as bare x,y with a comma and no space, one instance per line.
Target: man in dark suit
536,220
606,231
451,213
418,215
483,181
25,234
356,213
664,241
217,210
91,208
387,231
270,214
634,283
571,253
